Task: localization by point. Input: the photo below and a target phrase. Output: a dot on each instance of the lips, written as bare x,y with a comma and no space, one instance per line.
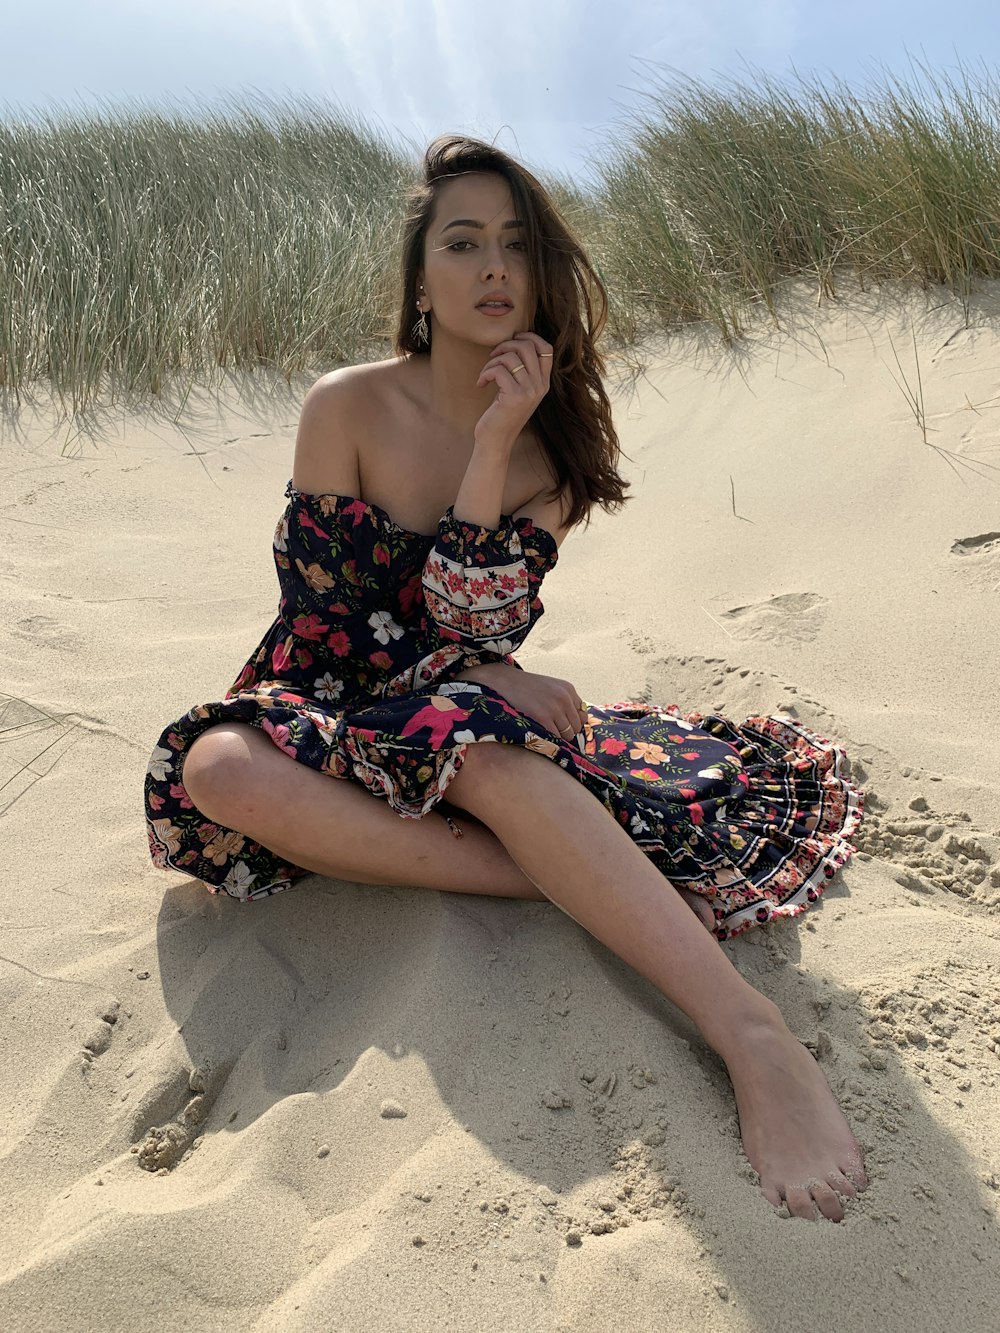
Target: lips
495,296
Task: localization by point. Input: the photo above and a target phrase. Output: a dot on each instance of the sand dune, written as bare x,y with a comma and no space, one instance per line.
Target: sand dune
368,1107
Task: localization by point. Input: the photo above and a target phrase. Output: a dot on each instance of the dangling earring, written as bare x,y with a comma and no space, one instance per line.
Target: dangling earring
421,331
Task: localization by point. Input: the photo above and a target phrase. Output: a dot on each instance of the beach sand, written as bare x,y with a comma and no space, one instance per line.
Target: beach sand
432,1111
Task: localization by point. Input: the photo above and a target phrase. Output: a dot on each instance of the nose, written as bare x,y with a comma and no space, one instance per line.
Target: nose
494,266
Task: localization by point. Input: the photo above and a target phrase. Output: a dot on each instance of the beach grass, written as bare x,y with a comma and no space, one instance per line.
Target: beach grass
142,249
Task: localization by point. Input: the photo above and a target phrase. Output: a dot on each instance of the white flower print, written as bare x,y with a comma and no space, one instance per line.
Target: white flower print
467,737
383,626
281,535
328,688
639,825
159,762
238,882
502,646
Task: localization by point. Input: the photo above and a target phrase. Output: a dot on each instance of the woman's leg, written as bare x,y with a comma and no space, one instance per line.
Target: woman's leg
559,833
239,778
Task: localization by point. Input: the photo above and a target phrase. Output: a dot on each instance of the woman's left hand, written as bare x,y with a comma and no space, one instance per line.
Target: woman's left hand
521,369
553,703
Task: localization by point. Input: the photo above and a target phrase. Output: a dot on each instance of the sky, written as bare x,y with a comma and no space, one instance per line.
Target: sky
551,81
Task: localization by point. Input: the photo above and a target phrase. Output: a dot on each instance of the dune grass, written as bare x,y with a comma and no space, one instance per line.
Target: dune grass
141,249
720,194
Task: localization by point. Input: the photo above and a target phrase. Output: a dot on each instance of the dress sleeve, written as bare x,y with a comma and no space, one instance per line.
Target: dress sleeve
481,585
328,553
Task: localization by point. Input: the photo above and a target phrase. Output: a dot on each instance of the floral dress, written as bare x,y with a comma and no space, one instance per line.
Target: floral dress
356,678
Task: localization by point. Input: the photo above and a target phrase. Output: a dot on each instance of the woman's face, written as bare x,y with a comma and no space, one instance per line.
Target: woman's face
473,248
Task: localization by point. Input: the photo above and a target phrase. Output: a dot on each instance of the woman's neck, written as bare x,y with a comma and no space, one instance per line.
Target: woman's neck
450,374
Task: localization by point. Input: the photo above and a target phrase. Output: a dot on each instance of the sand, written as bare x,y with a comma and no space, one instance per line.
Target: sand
389,1108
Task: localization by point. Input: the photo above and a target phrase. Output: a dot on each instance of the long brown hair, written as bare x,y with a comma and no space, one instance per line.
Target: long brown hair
573,420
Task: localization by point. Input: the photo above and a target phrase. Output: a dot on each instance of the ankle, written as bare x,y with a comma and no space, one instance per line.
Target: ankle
755,1018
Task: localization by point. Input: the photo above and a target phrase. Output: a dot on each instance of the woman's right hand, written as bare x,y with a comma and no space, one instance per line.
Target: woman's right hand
521,369
553,703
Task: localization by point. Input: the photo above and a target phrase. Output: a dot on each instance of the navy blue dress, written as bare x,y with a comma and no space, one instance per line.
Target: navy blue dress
356,678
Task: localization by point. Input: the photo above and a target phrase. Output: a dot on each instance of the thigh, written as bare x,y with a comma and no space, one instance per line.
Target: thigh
484,762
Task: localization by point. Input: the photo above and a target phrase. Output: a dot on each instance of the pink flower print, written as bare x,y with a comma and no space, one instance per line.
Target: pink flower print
156,802
646,774
440,717
179,793
691,754
309,627
687,793
381,661
612,746
679,739
303,658
306,521
281,658
339,643
380,552
245,675
410,594
279,733
697,813
358,512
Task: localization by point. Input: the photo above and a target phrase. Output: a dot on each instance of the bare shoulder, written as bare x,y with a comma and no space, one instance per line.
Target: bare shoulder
549,506
335,420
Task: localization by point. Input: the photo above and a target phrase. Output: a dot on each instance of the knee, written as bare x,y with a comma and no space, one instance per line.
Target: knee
219,764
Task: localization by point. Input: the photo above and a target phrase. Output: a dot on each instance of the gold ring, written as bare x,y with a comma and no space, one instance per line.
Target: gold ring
520,367
545,354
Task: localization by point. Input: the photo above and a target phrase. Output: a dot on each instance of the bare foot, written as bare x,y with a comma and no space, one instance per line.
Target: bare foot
698,904
794,1134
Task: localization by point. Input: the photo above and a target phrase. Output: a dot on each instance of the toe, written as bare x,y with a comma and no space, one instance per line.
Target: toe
800,1203
853,1168
771,1194
838,1181
827,1202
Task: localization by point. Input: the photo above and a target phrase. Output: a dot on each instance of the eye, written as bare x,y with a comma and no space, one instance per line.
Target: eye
454,243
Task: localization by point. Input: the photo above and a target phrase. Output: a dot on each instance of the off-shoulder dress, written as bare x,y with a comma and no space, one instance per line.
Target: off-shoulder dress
356,678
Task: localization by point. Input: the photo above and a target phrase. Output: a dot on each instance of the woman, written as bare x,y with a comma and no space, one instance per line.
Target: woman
429,497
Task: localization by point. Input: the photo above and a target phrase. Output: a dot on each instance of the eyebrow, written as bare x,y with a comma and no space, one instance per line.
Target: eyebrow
470,222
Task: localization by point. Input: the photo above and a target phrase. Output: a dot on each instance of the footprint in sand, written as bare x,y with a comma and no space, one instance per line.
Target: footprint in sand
915,1023
182,1099
934,852
47,632
791,617
100,1036
980,556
